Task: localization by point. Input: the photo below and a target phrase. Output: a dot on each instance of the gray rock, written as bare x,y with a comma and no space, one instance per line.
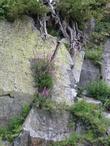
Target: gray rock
51,126
22,140
90,100
106,62
89,73
20,45
106,115
63,92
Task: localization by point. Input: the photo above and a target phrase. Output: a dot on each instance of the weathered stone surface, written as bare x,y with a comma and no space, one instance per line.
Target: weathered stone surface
48,125
78,59
20,46
106,62
89,73
22,140
90,100
20,43
63,91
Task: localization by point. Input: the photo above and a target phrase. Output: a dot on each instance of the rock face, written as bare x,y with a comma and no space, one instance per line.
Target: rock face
89,73
48,126
106,62
20,43
20,46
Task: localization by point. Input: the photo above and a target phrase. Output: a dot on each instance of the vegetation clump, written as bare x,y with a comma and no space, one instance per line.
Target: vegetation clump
14,126
94,54
44,83
94,126
11,9
81,10
100,90
90,116
43,76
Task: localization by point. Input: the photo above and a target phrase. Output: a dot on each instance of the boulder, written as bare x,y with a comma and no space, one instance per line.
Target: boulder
89,73
106,62
20,43
20,47
47,126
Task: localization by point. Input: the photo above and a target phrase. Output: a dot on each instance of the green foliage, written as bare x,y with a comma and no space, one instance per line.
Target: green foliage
52,31
46,103
94,54
14,126
90,116
107,105
42,102
71,141
102,141
99,90
81,10
43,76
12,9
102,30
103,26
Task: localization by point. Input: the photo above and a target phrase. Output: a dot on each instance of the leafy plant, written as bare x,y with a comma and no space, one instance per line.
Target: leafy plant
99,90
53,31
42,102
94,123
81,10
71,141
90,116
43,76
107,105
14,126
11,9
94,54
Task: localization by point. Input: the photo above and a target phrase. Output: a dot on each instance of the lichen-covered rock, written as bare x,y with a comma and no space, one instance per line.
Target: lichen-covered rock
46,126
20,44
106,62
20,47
63,91
22,140
89,73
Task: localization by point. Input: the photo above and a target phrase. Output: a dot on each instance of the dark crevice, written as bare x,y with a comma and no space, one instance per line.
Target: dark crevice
7,95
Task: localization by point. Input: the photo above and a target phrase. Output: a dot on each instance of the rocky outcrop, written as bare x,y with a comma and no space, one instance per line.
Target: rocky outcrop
106,62
89,73
47,126
20,47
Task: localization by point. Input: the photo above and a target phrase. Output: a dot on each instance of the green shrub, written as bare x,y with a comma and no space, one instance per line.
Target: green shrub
81,10
42,102
103,27
90,116
99,90
12,9
46,103
102,141
71,141
14,126
95,55
52,31
43,76
107,105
